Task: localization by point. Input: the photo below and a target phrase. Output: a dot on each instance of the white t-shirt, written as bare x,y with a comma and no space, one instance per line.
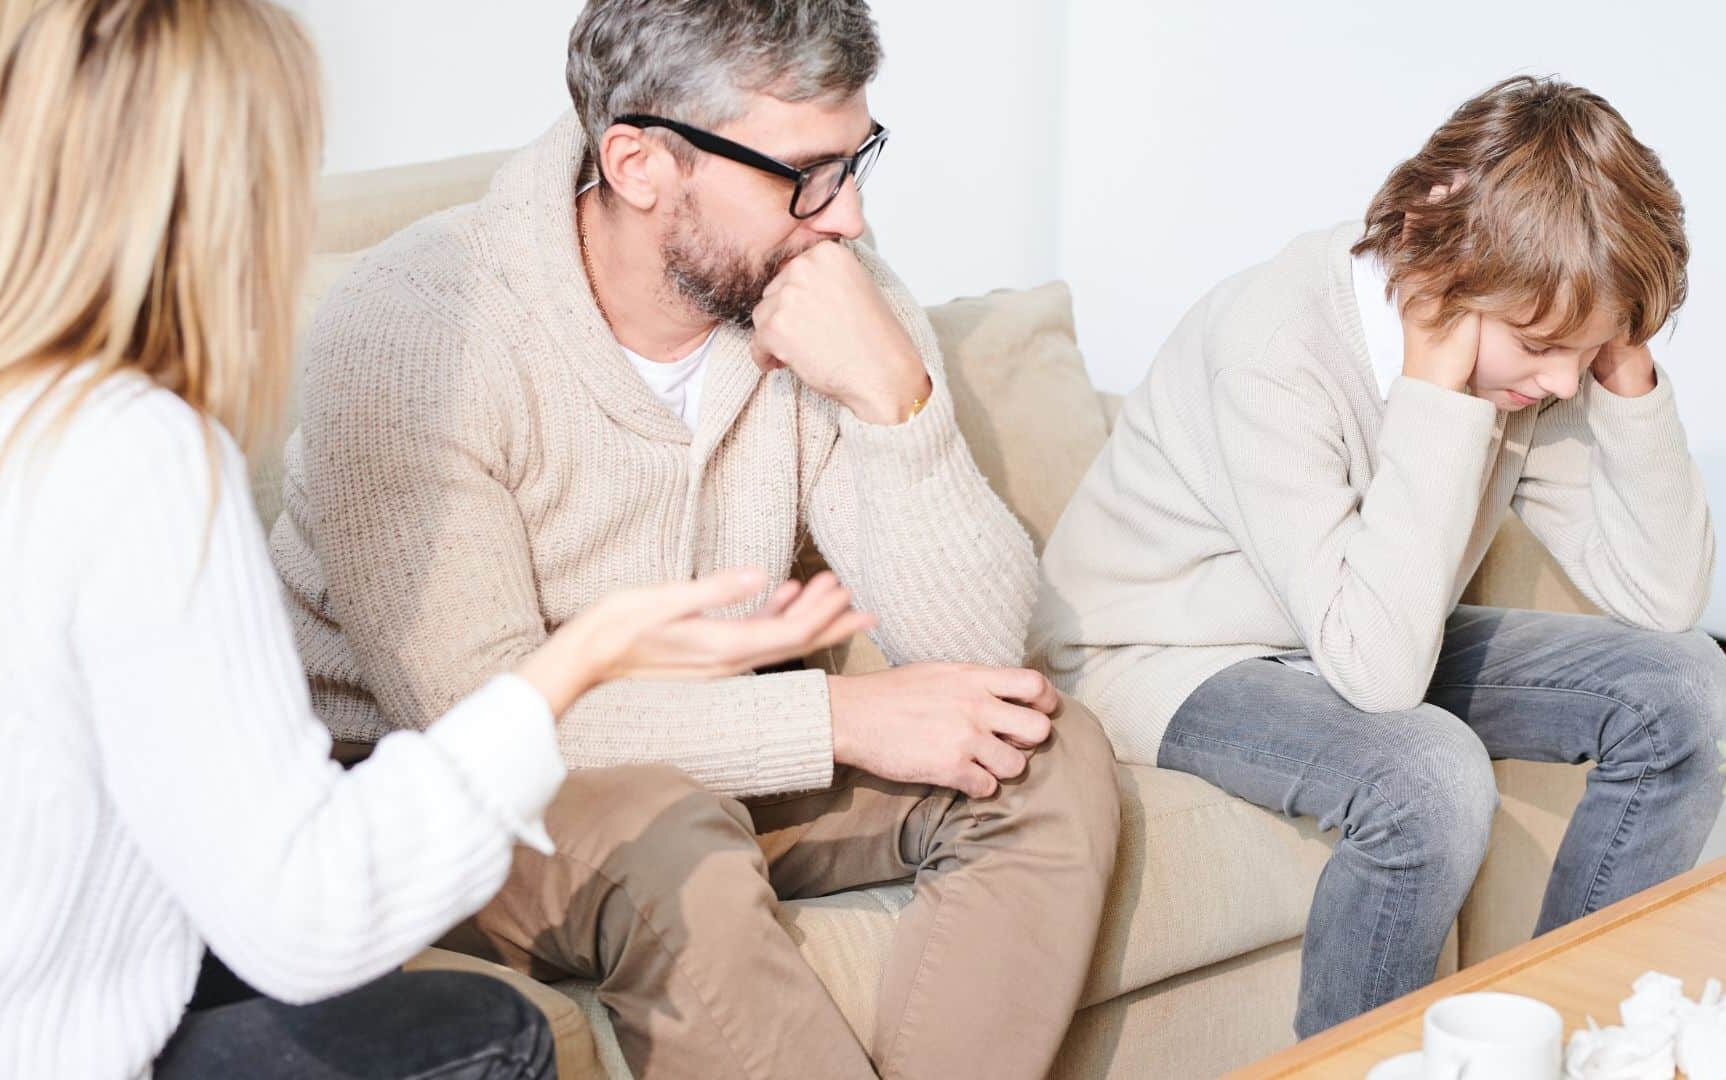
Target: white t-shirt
678,383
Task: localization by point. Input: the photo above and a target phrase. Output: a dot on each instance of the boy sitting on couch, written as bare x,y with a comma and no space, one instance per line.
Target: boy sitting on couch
1257,582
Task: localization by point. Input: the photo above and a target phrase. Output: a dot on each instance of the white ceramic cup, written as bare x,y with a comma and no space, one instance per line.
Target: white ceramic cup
1492,1037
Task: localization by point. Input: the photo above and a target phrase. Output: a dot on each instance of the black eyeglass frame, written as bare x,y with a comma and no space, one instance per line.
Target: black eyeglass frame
755,159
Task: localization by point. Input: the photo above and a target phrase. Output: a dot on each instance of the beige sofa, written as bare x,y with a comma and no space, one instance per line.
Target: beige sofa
1196,968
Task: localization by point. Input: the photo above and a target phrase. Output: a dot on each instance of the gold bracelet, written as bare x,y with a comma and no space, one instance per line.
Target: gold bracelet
916,407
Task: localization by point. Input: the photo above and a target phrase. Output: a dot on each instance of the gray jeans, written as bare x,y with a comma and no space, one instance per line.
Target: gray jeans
1413,792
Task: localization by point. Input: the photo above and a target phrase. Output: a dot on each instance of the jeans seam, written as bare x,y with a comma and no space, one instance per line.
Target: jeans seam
1604,866
1649,731
493,1053
1381,972
1183,736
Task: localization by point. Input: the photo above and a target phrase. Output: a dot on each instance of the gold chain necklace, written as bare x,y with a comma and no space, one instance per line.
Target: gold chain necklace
587,261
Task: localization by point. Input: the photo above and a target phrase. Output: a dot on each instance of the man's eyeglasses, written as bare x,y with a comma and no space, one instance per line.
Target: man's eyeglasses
818,183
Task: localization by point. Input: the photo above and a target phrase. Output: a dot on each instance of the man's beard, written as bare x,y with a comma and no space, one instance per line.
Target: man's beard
712,276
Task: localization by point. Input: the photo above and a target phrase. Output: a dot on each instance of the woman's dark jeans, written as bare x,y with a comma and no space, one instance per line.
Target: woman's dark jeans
445,1024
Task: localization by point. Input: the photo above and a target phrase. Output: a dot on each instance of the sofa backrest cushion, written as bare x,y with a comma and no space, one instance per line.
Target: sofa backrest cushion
1023,399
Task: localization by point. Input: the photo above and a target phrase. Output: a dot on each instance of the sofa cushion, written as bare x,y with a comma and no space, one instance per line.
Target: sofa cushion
1022,396
356,210
1518,572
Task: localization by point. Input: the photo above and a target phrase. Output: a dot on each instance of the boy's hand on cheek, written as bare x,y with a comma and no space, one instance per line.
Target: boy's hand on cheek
1624,369
1442,357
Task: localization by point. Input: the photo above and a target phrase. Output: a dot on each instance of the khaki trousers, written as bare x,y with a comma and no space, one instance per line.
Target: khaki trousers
664,893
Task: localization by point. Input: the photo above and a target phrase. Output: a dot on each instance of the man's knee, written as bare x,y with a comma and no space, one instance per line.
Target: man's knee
629,813
650,831
1070,783
629,841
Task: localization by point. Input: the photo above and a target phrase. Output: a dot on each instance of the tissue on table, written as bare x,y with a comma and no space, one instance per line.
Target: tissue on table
1662,1031
1619,1053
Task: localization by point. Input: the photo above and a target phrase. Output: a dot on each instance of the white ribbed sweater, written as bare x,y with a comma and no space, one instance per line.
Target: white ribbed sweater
1259,496
477,462
163,781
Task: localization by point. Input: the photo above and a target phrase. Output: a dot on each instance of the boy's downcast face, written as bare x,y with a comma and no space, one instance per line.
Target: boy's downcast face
1519,366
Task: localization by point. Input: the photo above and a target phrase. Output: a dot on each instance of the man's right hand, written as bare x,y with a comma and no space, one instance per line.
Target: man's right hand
1444,358
961,726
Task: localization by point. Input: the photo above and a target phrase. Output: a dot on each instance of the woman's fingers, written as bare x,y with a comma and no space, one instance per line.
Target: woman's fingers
844,628
821,615
676,600
675,638
779,599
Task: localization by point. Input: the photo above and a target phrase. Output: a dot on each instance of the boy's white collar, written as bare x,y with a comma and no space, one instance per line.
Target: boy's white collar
1379,320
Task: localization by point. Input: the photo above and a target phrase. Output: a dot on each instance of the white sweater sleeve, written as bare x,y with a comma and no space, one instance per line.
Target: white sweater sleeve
1610,489
307,881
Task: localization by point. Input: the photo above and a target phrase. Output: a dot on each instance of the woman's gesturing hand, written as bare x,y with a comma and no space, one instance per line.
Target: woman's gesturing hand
663,632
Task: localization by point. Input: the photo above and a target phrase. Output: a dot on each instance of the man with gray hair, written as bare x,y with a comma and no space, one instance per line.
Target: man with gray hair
653,349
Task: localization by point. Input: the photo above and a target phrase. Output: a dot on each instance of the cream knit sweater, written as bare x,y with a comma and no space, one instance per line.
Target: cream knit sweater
477,462
1258,496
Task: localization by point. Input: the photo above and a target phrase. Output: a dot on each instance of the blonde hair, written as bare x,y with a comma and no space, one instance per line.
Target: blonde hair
156,201
1546,201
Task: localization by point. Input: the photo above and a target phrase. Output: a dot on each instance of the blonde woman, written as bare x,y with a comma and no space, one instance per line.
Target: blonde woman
163,784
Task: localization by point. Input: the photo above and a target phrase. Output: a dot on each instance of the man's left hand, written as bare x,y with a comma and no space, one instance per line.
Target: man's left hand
824,318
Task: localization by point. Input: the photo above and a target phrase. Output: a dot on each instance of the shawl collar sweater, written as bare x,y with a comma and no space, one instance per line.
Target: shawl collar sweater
478,462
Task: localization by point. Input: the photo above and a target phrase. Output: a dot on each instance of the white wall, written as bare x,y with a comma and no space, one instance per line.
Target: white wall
1140,150
962,202
1201,137
417,80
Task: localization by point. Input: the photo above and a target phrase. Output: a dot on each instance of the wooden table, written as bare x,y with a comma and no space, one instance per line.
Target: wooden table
1582,970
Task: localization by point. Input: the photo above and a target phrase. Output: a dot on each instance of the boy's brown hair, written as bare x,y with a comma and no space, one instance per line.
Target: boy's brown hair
1546,199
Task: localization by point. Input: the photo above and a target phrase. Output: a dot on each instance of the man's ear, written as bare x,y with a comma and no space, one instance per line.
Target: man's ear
633,165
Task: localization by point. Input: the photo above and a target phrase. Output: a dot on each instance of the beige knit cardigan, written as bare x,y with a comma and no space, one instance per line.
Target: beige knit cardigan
477,462
1259,496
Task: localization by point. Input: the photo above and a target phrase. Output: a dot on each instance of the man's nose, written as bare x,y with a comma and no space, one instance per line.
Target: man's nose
843,217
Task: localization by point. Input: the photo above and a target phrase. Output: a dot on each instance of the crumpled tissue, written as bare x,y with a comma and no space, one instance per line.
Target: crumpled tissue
1662,1031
